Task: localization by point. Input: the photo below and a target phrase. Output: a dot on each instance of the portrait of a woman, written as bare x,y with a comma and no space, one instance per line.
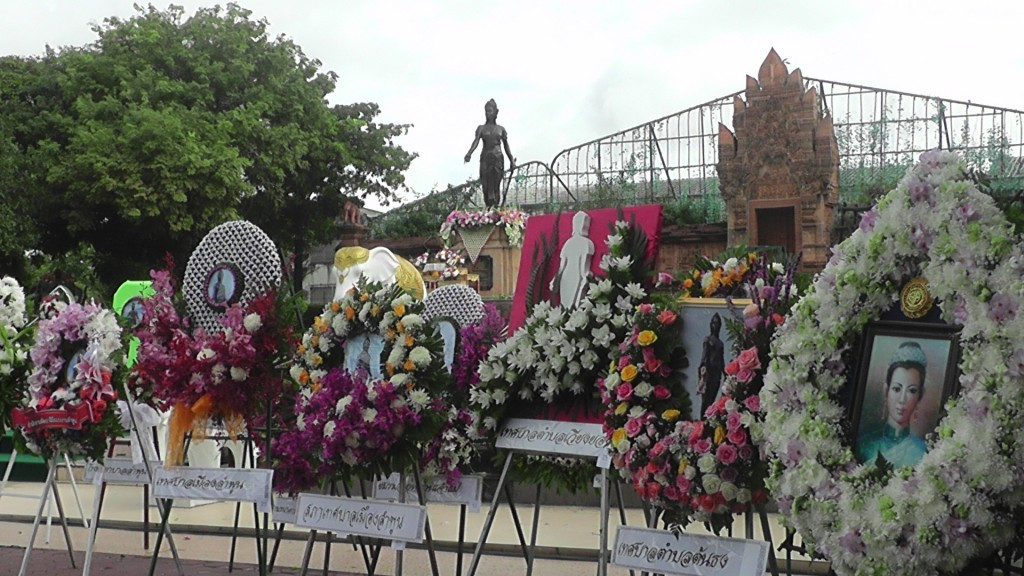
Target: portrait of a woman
893,435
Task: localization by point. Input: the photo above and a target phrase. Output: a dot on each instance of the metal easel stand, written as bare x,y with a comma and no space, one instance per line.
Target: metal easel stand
529,552
164,513
49,490
262,530
74,490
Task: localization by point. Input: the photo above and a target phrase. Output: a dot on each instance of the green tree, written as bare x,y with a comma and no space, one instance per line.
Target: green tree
168,125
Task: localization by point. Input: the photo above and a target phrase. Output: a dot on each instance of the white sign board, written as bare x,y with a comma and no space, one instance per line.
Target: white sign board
468,490
225,484
119,471
661,551
284,509
582,440
344,516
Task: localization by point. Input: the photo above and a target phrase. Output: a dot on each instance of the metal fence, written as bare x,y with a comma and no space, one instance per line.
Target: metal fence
880,134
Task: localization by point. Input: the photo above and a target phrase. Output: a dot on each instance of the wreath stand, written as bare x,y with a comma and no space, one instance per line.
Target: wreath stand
49,515
371,557
164,514
529,551
49,491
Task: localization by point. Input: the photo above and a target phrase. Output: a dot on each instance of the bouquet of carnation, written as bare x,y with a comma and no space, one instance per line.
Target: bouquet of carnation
15,338
69,405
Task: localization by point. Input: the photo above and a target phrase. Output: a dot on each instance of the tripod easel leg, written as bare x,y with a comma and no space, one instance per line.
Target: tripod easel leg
490,516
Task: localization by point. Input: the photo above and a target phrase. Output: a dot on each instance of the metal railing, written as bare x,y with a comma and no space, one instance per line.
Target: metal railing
880,134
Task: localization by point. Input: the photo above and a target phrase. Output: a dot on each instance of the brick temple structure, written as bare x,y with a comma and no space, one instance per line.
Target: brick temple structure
779,170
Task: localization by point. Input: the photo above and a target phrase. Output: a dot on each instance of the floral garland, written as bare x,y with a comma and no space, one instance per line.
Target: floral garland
558,356
82,393
705,470
350,423
511,219
14,347
230,375
955,503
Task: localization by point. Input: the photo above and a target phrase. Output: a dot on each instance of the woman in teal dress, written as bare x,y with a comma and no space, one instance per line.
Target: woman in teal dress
904,387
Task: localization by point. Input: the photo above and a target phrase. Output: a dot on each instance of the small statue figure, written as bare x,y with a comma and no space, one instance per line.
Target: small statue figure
712,364
574,262
492,164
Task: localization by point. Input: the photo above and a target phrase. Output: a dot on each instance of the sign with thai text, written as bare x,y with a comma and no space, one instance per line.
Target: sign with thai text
582,440
344,516
33,420
225,484
284,509
119,471
661,551
467,490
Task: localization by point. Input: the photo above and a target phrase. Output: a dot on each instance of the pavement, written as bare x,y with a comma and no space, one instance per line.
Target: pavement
567,539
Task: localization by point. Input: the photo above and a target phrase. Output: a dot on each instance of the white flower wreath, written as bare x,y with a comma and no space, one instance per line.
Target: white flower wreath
955,504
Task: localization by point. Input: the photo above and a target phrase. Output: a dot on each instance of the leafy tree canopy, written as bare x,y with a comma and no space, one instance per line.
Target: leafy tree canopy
167,125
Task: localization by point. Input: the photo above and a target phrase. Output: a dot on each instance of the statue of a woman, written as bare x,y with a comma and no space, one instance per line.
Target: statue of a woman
492,164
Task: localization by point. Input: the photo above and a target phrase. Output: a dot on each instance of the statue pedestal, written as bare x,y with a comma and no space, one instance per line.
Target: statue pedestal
497,267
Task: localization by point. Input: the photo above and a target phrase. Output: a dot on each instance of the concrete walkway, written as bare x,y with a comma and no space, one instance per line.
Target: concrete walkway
567,540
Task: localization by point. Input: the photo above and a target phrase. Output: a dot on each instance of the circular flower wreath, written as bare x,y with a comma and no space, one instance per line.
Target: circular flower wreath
75,356
349,423
957,502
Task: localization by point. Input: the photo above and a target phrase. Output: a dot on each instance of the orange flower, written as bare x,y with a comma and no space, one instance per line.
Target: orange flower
399,310
375,310
618,436
335,306
350,312
304,377
409,366
409,341
302,349
364,297
389,368
629,373
688,283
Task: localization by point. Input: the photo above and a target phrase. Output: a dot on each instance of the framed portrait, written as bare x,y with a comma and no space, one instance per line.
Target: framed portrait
224,286
906,373
709,347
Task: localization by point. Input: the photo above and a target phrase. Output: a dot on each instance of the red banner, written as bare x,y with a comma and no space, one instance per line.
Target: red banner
33,420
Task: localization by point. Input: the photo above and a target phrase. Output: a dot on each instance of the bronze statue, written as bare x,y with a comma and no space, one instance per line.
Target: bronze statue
492,164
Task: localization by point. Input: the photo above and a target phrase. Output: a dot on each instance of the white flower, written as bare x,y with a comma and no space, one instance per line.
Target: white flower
419,399
369,414
420,356
499,396
295,371
399,379
252,322
622,262
635,290
329,428
300,422
643,389
342,404
239,374
205,354
412,321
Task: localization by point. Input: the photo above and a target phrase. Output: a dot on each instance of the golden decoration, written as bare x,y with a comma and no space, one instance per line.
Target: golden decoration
915,298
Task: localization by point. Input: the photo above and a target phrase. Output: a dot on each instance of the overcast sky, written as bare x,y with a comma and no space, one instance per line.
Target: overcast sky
566,72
